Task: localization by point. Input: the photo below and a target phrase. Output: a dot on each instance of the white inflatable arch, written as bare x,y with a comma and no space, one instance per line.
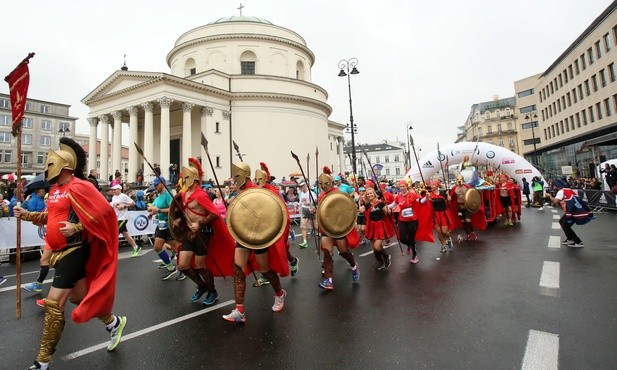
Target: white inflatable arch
501,159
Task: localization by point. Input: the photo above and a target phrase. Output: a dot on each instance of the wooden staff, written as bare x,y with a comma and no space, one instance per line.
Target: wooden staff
19,196
310,196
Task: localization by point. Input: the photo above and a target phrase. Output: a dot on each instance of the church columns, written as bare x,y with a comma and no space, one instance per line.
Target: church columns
116,144
205,113
133,156
104,157
341,155
148,138
92,144
165,127
187,140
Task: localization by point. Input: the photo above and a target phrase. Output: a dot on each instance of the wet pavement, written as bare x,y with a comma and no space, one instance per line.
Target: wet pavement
473,308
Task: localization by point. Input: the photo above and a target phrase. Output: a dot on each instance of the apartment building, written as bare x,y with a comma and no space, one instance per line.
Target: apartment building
493,122
43,124
568,113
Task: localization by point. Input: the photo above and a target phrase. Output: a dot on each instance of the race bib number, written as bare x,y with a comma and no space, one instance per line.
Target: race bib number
407,212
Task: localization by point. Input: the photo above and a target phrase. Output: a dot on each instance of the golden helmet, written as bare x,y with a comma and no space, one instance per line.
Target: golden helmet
192,173
58,160
325,179
240,172
262,175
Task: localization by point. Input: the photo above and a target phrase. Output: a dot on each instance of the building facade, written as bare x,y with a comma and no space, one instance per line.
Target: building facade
576,102
493,122
389,159
44,123
238,80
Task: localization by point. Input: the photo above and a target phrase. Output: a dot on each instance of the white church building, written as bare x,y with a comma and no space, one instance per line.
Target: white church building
238,79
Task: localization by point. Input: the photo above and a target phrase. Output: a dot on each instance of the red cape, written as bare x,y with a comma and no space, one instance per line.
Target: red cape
101,231
220,256
478,218
515,199
424,212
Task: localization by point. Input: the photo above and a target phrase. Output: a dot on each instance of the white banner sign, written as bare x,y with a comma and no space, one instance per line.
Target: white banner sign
32,235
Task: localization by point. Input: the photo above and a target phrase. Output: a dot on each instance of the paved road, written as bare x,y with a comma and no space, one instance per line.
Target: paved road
513,299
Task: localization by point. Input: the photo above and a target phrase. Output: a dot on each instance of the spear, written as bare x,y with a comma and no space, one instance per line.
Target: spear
237,149
310,196
316,169
416,157
441,165
308,169
173,199
204,144
370,165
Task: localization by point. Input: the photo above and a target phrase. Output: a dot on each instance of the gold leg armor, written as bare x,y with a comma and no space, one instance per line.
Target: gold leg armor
52,331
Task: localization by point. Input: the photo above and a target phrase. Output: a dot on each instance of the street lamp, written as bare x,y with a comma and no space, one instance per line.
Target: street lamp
345,65
531,117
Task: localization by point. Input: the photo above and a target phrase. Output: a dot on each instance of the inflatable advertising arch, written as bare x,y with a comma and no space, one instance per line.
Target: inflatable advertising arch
500,158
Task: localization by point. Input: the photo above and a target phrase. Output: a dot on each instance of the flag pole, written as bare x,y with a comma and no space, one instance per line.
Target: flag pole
18,81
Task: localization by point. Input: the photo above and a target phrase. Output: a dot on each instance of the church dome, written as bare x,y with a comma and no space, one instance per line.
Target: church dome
240,18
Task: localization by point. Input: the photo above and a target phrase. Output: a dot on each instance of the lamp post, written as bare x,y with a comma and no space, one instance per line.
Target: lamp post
345,66
531,117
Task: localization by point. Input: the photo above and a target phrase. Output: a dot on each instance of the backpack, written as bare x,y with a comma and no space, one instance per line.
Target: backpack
577,211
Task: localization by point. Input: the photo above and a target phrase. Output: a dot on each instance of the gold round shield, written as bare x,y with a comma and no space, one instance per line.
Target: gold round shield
336,214
256,218
473,200
180,232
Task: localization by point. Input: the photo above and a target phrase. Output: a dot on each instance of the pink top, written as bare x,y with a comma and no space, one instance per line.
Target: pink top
220,206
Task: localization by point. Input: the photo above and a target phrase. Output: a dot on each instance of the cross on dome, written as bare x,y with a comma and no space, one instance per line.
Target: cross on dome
240,9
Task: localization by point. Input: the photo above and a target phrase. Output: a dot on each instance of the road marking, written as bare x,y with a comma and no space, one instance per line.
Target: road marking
12,287
371,252
554,242
549,280
556,226
542,351
556,217
145,331
554,210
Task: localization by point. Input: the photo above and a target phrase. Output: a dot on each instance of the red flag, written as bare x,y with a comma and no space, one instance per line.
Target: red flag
18,81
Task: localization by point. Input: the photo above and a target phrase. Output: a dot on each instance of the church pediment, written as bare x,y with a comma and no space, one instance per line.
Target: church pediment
122,82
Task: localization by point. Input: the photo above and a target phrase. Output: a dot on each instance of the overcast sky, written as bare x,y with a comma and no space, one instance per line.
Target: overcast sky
420,62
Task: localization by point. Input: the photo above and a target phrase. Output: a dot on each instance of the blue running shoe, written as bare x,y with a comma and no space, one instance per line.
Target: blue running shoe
326,284
211,297
35,286
355,274
200,291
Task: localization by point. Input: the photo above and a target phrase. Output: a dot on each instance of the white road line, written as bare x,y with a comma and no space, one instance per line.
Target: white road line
12,287
556,226
371,252
554,242
549,280
542,351
554,210
145,331
556,217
